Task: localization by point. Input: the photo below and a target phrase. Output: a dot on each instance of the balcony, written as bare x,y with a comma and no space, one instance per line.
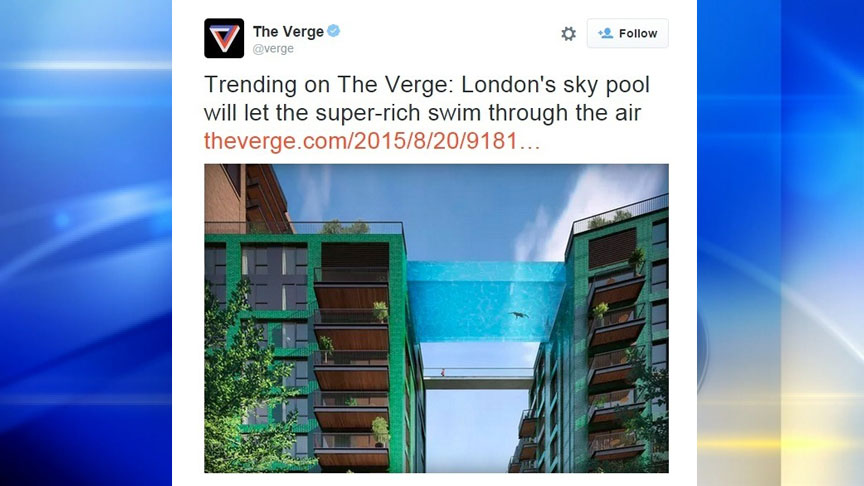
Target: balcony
352,370
527,467
354,451
528,424
612,288
526,449
607,410
514,465
617,326
615,366
349,410
352,329
617,445
351,287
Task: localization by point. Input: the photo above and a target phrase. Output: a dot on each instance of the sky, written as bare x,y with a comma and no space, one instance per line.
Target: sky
471,213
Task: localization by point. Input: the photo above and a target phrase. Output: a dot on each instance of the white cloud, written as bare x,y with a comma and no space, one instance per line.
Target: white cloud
315,187
598,189
529,354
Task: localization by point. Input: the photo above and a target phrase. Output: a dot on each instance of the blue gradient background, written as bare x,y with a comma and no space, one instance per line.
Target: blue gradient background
85,253
85,370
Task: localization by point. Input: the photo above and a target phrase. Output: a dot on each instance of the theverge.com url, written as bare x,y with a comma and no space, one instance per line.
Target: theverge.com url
373,140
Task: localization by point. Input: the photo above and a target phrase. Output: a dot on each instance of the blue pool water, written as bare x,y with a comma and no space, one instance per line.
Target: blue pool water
474,301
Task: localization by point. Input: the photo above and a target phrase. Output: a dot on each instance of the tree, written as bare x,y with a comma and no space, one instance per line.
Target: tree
335,227
239,374
652,386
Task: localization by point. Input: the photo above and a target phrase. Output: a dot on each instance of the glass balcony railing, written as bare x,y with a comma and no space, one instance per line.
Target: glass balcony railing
345,440
603,401
350,317
350,399
600,281
350,358
621,214
527,467
351,275
618,357
618,316
611,440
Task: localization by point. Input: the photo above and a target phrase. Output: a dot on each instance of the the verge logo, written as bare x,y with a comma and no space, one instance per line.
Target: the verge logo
223,38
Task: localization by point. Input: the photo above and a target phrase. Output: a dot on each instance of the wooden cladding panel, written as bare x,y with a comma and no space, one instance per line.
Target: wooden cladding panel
355,254
613,248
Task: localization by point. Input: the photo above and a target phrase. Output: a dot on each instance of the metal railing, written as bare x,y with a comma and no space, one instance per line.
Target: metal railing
459,372
618,316
345,440
527,441
513,462
610,278
527,466
612,440
334,227
617,215
618,357
350,358
350,399
528,414
603,401
350,317
351,275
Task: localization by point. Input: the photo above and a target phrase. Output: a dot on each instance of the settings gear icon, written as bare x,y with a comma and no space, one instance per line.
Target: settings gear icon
569,33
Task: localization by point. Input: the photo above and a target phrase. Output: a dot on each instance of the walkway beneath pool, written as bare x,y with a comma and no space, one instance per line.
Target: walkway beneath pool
484,301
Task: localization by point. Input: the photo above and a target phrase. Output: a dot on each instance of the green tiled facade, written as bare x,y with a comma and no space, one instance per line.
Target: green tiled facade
560,391
402,377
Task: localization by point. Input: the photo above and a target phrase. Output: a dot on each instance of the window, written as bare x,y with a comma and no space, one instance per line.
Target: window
299,405
659,276
659,356
214,271
262,336
660,235
257,415
659,316
233,172
292,335
299,375
300,448
277,276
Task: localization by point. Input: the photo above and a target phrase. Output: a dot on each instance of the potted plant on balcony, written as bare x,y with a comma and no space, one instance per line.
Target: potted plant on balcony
326,347
351,402
380,431
600,310
637,259
381,312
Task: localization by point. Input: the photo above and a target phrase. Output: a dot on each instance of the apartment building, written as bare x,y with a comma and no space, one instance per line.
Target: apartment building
583,386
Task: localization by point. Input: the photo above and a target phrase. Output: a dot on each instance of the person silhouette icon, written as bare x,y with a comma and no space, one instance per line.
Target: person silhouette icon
606,33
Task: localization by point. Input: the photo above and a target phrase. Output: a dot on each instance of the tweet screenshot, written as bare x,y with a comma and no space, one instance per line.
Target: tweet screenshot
434,238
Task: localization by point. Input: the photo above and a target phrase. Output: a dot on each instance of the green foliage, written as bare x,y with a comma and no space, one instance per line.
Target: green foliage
326,343
621,215
634,465
600,310
652,386
381,311
351,402
637,259
335,227
240,375
381,430
597,222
